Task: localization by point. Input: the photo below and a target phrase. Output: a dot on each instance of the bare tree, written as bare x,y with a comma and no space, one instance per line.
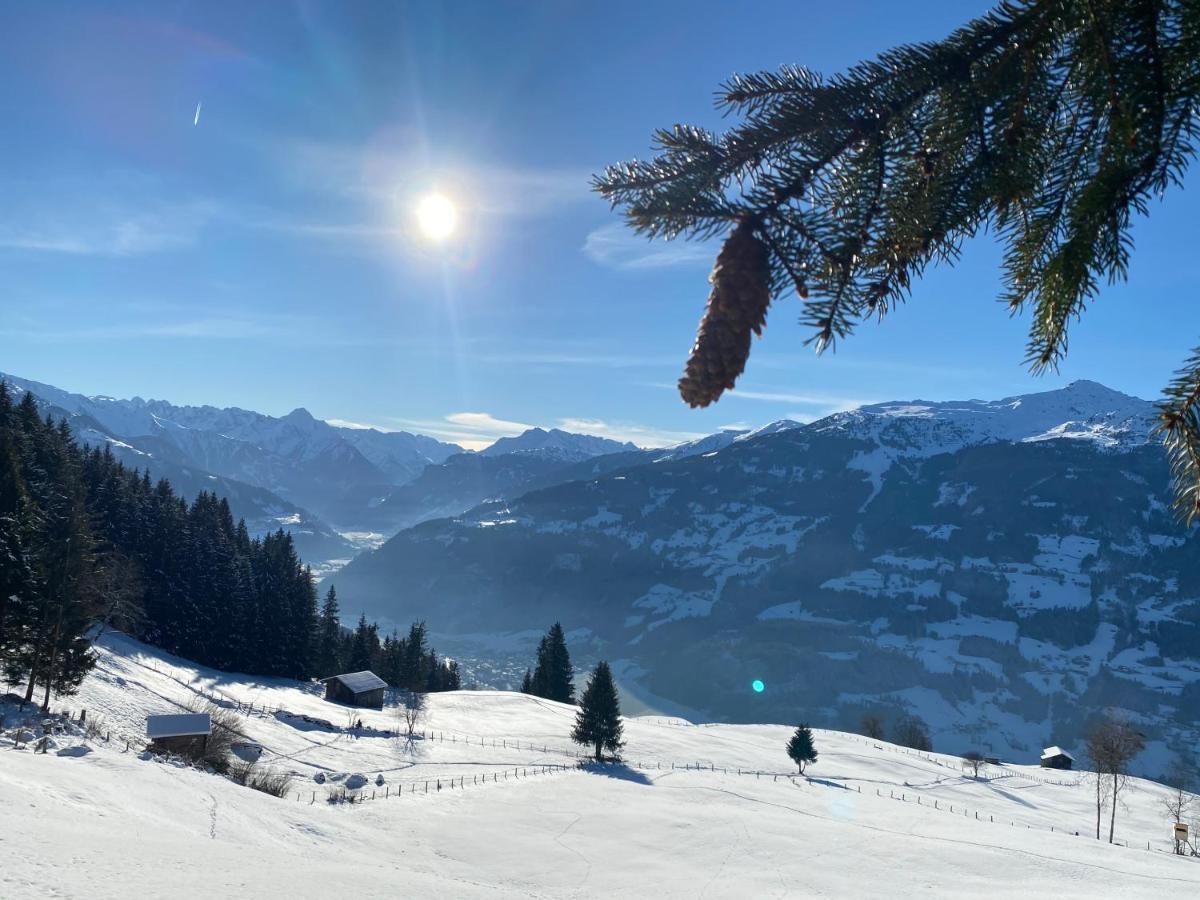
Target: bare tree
409,714
1180,802
1112,744
872,726
974,761
120,584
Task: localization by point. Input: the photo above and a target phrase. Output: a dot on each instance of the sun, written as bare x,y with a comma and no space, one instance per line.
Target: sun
437,216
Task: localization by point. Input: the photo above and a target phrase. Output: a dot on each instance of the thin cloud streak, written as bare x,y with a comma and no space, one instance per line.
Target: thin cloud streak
619,247
213,328
642,435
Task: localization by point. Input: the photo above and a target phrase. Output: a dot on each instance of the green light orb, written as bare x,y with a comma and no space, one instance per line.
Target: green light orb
758,685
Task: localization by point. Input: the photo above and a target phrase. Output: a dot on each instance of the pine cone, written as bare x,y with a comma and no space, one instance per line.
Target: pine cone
737,306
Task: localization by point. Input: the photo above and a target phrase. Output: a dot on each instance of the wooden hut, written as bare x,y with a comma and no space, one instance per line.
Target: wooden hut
356,689
1057,758
179,733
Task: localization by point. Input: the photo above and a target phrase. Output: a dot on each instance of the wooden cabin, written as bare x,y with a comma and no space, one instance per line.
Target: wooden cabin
184,733
1057,758
356,689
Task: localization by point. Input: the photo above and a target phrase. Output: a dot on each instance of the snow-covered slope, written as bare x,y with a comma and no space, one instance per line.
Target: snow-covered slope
697,810
557,444
1013,563
1083,410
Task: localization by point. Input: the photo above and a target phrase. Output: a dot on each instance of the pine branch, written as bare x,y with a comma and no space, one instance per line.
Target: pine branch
1179,415
1053,121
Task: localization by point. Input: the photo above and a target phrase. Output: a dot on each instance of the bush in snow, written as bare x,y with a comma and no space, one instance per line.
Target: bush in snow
914,733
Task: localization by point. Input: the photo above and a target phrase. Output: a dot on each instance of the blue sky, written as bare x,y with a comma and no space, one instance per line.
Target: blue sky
265,256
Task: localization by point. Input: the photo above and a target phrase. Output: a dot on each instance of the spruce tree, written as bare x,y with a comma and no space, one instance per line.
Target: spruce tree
553,676
360,649
527,683
1048,123
416,658
452,680
560,683
329,637
800,747
598,722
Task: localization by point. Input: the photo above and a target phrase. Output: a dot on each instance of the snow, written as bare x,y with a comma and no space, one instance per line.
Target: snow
678,820
1084,410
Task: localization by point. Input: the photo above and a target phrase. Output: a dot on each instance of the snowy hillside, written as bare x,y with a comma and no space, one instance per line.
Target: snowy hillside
557,444
697,810
1001,569
1083,410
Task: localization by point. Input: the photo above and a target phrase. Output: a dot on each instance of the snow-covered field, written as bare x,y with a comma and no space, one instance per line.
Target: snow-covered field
684,818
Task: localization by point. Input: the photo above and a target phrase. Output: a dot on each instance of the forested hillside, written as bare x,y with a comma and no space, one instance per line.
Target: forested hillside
85,540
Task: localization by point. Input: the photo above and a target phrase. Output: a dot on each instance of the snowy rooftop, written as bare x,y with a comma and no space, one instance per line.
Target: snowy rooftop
180,725
1051,752
360,681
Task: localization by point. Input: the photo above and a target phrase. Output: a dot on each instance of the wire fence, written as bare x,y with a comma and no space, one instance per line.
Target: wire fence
65,723
335,794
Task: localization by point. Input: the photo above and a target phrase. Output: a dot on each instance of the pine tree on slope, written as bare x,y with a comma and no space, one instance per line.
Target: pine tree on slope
329,636
552,673
800,747
598,722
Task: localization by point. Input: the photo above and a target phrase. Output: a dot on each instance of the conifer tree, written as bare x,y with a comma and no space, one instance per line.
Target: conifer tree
1048,123
527,683
360,649
800,747
416,658
552,674
452,680
598,722
329,636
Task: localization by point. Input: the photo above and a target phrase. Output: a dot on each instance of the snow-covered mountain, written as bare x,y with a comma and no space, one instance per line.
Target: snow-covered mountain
1002,569
329,470
1084,410
337,488
720,440
556,444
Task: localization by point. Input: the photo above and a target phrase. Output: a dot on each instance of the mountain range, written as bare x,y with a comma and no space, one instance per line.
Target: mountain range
336,488
1004,569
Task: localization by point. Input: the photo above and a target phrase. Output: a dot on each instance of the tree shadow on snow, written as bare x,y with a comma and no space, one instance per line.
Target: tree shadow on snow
1009,795
617,770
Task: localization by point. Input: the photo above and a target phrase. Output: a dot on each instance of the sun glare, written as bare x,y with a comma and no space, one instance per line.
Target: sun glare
437,216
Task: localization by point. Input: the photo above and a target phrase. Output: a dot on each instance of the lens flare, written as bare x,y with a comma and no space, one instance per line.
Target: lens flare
437,216
758,685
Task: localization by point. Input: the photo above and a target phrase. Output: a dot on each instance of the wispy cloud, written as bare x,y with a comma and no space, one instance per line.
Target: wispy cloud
476,430
822,404
110,214
389,174
642,435
822,400
618,246
473,430
200,328
486,423
598,359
